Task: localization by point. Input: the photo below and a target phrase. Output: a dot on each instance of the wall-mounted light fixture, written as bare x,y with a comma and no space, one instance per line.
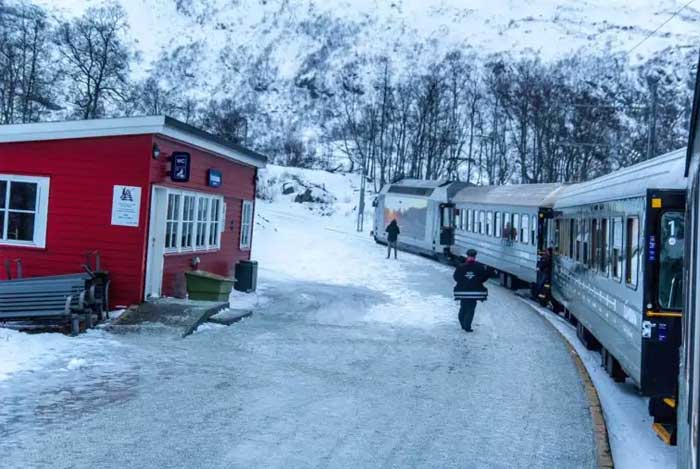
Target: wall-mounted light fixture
156,151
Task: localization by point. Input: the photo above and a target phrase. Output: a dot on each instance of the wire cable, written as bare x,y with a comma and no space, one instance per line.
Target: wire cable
660,26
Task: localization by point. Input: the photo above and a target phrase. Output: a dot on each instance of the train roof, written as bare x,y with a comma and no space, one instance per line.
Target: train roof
519,195
421,188
663,172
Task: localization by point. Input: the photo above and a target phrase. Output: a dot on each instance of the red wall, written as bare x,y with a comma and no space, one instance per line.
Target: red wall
82,174
238,184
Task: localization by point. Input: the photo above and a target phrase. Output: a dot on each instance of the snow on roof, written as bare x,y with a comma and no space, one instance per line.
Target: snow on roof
663,172
162,125
521,195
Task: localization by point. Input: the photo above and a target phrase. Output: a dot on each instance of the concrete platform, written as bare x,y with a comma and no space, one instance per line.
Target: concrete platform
185,315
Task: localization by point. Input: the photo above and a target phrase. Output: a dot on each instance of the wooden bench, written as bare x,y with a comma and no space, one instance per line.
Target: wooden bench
60,297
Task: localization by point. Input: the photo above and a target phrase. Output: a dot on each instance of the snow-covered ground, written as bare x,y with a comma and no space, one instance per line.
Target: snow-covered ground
349,360
634,445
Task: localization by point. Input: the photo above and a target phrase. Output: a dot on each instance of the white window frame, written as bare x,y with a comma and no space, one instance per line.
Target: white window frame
40,214
246,225
180,223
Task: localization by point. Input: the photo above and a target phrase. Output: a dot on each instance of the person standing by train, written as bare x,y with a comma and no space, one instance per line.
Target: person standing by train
544,275
470,278
392,238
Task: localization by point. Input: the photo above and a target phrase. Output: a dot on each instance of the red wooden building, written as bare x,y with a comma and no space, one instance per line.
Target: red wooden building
120,187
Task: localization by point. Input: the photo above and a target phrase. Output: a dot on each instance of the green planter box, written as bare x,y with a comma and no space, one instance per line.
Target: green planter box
203,285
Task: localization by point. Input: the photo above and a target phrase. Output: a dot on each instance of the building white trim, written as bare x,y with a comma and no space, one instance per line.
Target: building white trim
160,125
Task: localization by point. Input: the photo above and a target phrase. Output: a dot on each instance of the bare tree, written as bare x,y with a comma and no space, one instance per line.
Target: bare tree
97,58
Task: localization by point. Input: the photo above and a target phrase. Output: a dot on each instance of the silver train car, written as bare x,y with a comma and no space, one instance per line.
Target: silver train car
424,212
688,417
507,227
618,272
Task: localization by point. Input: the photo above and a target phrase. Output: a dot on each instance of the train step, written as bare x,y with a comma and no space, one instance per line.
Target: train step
665,431
671,402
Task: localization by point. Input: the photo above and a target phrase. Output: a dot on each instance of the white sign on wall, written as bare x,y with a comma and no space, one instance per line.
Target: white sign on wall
126,205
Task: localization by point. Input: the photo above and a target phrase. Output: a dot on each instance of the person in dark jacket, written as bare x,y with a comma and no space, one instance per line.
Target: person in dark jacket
470,278
544,275
392,238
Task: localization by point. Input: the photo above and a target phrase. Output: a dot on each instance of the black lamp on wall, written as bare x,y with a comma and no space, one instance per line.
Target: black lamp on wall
156,151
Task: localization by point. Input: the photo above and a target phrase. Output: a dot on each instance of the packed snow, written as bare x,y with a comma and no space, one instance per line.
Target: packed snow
350,359
633,443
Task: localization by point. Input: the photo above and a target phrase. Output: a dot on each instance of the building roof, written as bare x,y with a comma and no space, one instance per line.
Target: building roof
519,195
161,125
663,172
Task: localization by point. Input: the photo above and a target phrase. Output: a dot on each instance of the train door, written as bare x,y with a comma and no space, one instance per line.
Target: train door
447,229
663,304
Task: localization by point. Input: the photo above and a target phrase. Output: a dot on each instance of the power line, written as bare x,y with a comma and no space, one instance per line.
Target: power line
661,26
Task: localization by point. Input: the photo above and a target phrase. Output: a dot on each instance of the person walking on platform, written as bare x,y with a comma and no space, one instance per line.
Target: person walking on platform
470,278
392,238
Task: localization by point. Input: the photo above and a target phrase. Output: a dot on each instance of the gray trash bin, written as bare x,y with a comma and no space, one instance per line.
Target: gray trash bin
246,276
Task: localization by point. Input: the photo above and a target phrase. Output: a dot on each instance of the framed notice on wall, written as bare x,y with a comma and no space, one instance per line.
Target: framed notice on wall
126,205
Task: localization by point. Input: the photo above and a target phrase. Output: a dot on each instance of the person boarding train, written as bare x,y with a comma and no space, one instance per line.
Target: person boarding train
470,278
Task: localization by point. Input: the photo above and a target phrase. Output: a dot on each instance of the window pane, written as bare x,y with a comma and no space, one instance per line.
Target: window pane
632,251
533,230
586,233
516,226
671,260
594,243
603,258
525,229
499,224
489,223
20,226
3,195
23,195
616,258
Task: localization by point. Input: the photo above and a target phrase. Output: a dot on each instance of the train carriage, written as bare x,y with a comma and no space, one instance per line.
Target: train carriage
506,225
688,417
424,212
618,272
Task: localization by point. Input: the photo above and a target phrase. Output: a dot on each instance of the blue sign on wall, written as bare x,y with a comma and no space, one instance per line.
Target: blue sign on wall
214,178
180,166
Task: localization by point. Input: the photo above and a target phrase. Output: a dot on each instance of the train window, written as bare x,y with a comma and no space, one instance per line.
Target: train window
482,222
525,229
489,223
516,225
533,230
585,230
632,251
469,220
603,256
474,227
671,260
557,236
507,225
595,243
498,224
571,237
616,257
579,238
458,219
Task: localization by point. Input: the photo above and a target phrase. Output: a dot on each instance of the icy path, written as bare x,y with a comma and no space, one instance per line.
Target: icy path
351,361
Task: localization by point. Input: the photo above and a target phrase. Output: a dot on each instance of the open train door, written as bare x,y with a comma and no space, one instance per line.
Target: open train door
663,305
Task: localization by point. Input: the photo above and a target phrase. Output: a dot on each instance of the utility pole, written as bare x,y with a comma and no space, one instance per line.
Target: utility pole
361,209
653,82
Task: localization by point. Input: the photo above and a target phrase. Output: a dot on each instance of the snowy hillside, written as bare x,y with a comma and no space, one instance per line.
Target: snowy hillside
296,31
